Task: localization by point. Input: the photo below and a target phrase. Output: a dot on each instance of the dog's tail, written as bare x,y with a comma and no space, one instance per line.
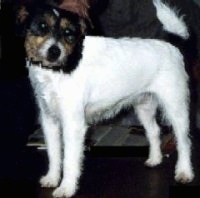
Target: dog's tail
170,19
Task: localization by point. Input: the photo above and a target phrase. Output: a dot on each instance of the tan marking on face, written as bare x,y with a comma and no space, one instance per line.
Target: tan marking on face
64,23
83,26
50,20
33,44
40,40
68,48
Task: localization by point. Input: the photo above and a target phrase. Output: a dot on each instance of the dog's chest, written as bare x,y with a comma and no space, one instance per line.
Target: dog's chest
46,87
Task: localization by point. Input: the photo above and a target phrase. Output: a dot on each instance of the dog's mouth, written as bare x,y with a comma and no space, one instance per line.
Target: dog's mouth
44,64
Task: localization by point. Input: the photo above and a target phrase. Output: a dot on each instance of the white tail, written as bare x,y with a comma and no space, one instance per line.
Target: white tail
170,19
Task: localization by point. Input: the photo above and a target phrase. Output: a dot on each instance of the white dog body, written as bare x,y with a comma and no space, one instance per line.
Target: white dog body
98,77
112,74
129,68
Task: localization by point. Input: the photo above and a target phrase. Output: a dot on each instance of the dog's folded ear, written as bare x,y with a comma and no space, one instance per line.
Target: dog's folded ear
22,19
21,14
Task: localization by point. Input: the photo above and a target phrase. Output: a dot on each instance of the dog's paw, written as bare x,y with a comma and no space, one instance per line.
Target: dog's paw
49,181
184,173
184,177
63,192
152,162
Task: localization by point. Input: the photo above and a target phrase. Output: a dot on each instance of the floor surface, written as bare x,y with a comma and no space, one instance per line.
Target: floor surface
109,172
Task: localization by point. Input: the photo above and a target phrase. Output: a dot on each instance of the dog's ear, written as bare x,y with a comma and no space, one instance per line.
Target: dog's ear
22,19
22,14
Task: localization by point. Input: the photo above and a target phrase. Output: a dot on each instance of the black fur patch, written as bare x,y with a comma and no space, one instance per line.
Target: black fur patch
74,58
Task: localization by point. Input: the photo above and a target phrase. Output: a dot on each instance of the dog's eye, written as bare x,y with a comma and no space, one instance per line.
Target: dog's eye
69,36
43,27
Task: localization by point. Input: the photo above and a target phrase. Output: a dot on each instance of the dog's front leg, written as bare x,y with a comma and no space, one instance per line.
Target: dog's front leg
74,129
51,132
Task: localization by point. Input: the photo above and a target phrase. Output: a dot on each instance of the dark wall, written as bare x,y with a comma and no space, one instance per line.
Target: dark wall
197,2
17,105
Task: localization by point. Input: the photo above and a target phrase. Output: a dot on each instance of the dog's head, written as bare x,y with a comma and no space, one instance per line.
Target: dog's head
52,35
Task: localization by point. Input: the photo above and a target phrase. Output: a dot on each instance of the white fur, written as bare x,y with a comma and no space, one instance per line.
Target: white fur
170,19
112,74
56,12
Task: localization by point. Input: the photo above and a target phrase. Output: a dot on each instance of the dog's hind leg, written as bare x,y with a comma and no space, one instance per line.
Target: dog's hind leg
146,111
175,103
51,132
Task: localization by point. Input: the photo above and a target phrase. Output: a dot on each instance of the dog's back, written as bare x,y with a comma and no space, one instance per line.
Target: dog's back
128,61
122,69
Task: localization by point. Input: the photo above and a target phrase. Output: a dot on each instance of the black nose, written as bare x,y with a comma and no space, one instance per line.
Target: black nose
53,53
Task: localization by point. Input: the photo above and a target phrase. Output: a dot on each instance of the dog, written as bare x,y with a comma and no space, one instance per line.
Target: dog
79,80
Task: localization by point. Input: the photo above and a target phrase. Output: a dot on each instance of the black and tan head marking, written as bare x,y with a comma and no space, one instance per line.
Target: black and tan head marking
54,37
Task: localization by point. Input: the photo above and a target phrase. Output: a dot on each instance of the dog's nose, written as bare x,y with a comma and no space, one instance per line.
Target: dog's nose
53,53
